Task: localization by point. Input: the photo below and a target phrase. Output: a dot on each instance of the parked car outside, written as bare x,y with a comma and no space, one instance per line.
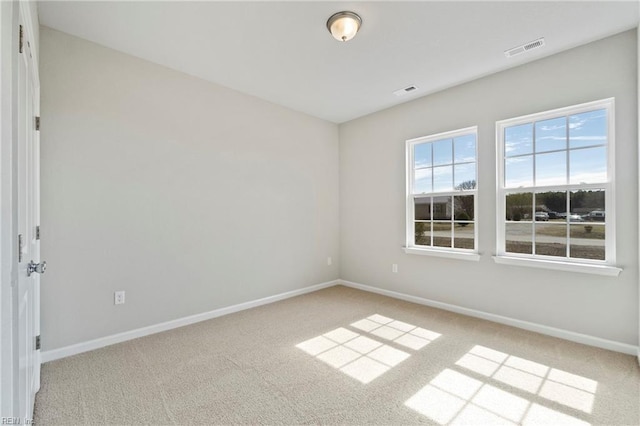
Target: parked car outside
573,217
596,216
542,216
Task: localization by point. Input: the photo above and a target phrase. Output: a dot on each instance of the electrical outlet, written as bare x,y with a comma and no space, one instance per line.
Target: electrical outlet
394,268
118,297
329,261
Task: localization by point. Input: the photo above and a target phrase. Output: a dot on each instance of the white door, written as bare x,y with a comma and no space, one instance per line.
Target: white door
26,322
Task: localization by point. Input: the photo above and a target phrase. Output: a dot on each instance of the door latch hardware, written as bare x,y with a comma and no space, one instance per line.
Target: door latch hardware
36,267
20,246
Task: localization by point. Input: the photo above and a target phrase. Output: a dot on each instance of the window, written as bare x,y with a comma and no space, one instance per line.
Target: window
441,193
555,185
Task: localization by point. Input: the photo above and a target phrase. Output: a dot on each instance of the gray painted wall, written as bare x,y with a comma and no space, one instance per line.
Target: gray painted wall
185,194
372,200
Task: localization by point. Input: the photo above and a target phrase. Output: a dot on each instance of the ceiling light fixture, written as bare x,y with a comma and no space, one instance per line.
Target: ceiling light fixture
343,26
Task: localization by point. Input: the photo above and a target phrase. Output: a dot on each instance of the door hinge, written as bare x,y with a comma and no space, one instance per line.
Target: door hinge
38,232
38,342
20,245
21,39
38,123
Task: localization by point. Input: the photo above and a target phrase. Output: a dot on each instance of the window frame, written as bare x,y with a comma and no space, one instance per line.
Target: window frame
604,267
449,252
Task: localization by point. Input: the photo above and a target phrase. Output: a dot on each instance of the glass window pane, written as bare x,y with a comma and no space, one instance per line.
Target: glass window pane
519,206
422,181
587,241
554,204
422,155
465,176
442,208
423,233
551,135
443,152
518,140
464,235
588,129
465,148
422,208
518,172
443,178
551,239
463,207
442,234
518,237
588,165
587,206
551,169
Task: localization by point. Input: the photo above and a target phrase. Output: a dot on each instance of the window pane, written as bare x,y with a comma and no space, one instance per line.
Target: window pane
519,206
587,241
518,172
551,135
518,237
463,235
422,181
465,148
518,140
588,165
423,233
551,239
588,129
443,152
465,176
587,206
442,234
443,178
422,155
554,204
442,208
463,207
422,208
551,169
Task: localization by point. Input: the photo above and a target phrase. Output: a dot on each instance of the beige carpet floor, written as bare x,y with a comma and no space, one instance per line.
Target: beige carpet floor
342,356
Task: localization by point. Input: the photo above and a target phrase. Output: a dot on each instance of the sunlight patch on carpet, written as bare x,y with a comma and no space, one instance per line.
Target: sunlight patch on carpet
363,357
481,397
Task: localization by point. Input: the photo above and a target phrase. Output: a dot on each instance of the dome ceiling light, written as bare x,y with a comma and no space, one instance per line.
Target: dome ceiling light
344,25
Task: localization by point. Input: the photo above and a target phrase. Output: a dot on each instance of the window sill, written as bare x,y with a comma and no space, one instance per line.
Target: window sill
442,253
585,268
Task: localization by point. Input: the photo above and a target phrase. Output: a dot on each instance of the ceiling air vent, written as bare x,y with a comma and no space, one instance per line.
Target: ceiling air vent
524,48
408,89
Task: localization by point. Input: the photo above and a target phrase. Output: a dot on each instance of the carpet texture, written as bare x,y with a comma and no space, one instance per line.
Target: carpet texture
342,356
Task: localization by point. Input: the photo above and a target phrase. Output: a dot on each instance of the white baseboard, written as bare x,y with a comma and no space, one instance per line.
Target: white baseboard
538,328
90,345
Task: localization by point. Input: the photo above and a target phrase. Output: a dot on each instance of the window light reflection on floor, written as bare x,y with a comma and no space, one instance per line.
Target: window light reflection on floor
364,358
456,398
550,383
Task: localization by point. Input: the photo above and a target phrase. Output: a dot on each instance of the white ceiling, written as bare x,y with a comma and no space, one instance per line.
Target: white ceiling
282,51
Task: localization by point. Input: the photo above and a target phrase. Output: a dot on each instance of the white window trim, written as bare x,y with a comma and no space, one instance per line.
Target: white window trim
452,253
460,254
606,267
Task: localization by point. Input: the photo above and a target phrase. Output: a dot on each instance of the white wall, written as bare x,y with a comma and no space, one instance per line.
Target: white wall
187,195
372,184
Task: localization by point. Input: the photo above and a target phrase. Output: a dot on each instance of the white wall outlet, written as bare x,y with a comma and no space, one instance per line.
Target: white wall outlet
118,297
394,268
329,261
